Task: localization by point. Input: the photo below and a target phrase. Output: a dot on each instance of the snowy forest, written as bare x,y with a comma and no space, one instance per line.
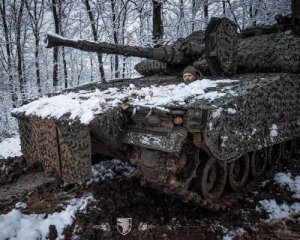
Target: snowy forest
28,70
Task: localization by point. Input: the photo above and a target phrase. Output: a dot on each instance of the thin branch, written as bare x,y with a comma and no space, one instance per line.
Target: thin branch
233,14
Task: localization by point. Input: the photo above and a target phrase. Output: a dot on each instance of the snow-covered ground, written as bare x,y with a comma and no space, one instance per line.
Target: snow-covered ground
17,226
279,211
10,147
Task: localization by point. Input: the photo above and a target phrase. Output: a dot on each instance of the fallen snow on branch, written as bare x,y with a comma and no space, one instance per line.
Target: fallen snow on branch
85,104
18,226
279,211
10,147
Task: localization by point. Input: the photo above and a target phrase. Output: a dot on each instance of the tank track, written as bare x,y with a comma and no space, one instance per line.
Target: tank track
196,177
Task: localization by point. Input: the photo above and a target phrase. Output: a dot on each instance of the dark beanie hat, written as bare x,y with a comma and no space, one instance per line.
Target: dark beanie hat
192,70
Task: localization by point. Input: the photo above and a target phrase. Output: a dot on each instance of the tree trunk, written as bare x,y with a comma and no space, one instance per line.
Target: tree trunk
14,96
254,12
123,38
295,9
193,14
63,49
233,14
37,65
36,17
181,19
115,36
92,66
205,11
20,50
80,71
157,31
95,35
65,68
55,49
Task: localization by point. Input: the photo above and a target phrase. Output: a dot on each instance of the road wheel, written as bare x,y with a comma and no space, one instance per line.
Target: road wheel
238,172
297,147
259,160
287,150
274,154
213,178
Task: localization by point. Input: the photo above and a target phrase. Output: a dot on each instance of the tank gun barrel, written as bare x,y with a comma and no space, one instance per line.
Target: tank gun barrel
177,54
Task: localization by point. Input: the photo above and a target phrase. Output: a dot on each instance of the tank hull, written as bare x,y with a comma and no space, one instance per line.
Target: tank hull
232,121
256,113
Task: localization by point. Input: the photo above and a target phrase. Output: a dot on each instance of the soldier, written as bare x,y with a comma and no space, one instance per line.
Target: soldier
190,74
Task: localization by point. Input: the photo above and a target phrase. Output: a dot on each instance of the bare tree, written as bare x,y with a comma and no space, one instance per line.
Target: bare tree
17,17
295,9
157,31
115,27
35,9
55,49
8,60
123,34
61,32
194,10
95,36
205,11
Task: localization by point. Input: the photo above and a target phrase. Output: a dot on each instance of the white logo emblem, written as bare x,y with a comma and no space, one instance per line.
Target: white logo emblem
124,225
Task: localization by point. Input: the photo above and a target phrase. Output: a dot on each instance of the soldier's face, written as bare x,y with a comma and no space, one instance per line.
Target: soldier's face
188,77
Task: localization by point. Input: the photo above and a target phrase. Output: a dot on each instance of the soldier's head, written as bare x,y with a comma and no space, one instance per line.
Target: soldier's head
190,74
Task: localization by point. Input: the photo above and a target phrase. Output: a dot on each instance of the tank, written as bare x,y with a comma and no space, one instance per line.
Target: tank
241,118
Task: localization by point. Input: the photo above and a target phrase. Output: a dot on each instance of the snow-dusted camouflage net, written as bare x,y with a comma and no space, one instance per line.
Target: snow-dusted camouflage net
75,151
39,142
264,110
60,147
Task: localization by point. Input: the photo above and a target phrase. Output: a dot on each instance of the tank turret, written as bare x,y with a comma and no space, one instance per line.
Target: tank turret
215,46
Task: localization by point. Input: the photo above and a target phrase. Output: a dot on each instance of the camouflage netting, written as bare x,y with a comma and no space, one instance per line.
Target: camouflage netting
60,147
275,52
265,111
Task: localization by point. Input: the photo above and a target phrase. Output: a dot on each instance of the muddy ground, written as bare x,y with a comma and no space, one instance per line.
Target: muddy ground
155,215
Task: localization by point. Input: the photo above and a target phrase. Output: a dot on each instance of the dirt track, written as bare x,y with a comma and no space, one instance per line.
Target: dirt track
157,216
